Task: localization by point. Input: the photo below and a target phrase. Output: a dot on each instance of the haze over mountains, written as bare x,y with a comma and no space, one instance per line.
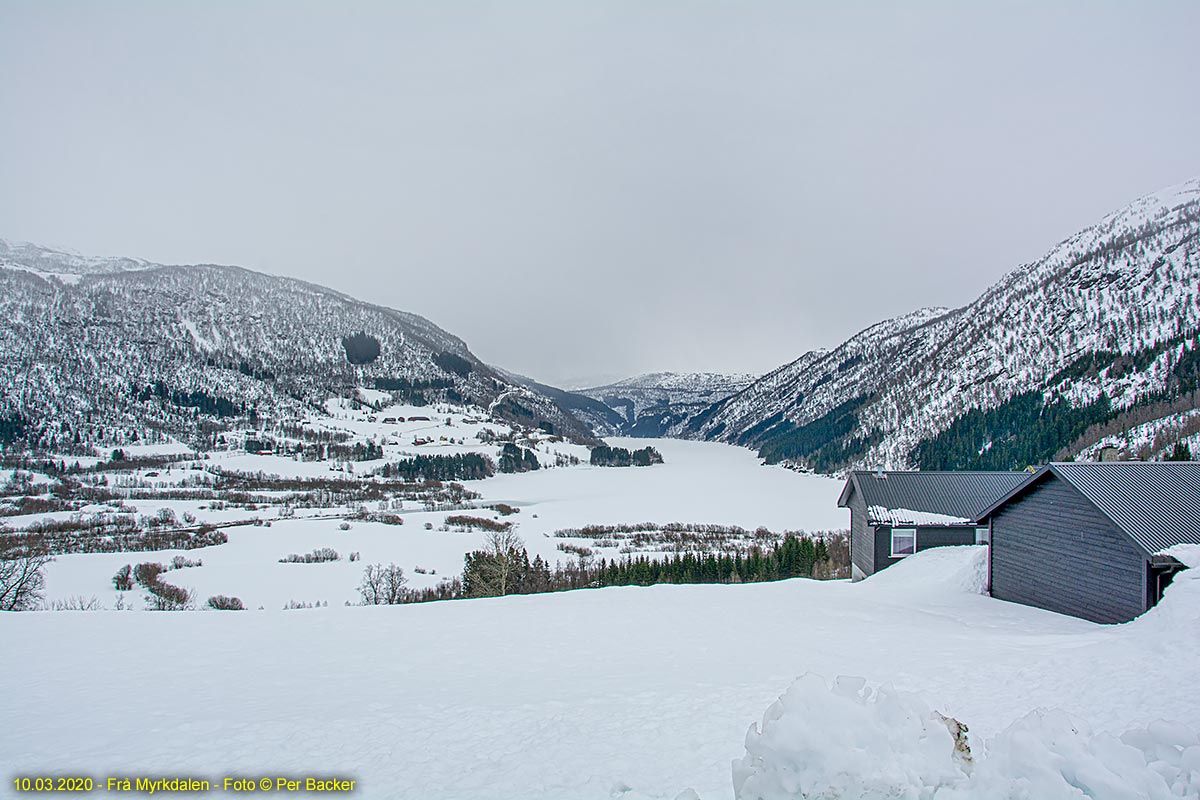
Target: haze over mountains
1097,337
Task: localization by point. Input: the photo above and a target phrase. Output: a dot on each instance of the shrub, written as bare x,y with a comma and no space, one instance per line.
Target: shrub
222,603
466,522
317,556
123,580
345,526
146,574
179,562
167,597
162,596
77,603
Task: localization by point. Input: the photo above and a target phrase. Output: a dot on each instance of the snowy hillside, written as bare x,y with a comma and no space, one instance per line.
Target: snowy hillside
97,353
1101,331
652,404
628,693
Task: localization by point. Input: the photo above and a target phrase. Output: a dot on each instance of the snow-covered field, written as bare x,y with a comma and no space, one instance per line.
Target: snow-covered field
626,692
698,483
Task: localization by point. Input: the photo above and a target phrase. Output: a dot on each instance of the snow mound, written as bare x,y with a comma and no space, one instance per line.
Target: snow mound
938,570
818,741
1052,755
1178,613
821,742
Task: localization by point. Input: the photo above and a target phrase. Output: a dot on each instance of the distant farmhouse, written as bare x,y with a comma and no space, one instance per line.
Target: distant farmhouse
1086,539
896,514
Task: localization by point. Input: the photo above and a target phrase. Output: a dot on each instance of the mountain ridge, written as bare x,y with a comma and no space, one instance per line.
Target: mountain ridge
96,352
1122,285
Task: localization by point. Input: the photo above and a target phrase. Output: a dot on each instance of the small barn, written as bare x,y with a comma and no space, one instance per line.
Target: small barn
896,514
1086,539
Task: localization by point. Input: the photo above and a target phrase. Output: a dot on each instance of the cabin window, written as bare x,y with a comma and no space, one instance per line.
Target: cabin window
904,542
982,536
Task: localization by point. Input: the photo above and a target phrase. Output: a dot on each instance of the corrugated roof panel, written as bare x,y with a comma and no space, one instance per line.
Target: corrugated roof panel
1156,503
954,494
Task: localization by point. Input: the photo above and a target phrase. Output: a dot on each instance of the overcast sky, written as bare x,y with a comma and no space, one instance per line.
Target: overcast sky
589,190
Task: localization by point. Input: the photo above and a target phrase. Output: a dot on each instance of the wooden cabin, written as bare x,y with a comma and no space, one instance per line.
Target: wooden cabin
896,514
1086,539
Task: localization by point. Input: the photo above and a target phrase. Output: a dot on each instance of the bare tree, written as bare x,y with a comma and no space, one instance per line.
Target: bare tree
22,581
498,573
382,585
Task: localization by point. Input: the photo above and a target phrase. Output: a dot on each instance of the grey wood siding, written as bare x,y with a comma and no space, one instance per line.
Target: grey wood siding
862,543
927,537
1053,549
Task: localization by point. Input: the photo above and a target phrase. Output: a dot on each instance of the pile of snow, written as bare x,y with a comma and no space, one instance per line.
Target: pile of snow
848,740
845,741
1051,754
945,571
1179,610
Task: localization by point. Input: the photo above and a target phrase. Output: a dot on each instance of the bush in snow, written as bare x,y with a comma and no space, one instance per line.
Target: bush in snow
123,580
78,603
222,603
317,556
162,596
147,573
167,597
849,741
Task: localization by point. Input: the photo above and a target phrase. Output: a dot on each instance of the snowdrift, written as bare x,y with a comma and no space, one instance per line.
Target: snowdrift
944,571
851,741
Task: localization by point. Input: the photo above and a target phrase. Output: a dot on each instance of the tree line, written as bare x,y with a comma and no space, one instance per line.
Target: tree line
605,456
503,567
456,467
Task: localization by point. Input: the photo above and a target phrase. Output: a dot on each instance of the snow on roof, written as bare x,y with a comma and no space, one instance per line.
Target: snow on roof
879,515
955,494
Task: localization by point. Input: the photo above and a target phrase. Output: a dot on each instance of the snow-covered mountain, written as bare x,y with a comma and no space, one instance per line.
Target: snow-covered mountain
1099,333
95,350
651,404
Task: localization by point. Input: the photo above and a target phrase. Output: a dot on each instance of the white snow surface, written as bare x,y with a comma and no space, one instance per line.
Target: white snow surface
881,515
623,692
851,740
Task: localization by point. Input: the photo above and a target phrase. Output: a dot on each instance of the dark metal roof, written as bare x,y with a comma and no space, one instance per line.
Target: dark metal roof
955,494
1157,503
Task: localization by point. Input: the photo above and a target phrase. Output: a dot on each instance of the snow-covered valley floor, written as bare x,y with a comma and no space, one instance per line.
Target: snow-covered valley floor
587,694
700,482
